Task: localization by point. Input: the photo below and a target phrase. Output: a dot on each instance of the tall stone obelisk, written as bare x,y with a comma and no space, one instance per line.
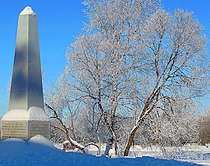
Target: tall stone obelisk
26,116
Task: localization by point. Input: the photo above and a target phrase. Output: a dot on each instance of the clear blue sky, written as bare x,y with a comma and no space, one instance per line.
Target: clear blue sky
59,23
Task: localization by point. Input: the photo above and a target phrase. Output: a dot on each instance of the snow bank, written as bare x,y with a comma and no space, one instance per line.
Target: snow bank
38,151
39,139
12,147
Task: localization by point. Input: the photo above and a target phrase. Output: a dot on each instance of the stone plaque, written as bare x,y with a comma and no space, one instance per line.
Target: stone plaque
39,127
14,129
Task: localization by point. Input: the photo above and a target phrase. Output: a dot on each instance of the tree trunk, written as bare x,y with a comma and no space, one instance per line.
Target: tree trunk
130,140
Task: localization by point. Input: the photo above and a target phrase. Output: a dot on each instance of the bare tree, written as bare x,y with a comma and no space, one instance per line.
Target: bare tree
103,55
204,132
62,113
67,115
132,62
176,54
176,123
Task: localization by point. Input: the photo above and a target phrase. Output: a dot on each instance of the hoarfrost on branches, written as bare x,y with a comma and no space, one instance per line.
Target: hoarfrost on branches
135,67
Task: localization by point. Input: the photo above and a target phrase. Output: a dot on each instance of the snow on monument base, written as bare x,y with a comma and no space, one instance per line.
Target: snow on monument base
25,124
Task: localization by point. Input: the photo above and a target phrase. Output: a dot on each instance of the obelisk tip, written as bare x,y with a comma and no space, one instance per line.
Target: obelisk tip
27,11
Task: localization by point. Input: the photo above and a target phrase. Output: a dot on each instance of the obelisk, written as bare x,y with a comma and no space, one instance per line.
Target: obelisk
26,116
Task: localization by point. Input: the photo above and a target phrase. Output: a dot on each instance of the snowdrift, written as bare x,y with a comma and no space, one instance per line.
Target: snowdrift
39,151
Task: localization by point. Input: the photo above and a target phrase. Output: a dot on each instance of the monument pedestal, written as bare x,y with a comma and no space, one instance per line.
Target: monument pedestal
25,124
24,129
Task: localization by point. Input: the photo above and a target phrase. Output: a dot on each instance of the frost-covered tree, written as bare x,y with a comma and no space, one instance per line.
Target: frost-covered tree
97,62
63,115
176,61
132,62
204,130
176,123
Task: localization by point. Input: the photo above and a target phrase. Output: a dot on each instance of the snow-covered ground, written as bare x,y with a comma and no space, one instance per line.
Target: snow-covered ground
40,152
191,153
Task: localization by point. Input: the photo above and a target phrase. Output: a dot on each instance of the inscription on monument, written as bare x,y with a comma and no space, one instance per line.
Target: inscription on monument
14,129
39,127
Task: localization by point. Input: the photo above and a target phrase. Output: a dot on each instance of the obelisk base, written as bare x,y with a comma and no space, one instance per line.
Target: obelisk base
25,124
24,129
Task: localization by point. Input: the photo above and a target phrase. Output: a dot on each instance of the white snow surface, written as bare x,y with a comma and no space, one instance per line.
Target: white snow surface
28,11
38,151
34,113
111,153
39,139
17,114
